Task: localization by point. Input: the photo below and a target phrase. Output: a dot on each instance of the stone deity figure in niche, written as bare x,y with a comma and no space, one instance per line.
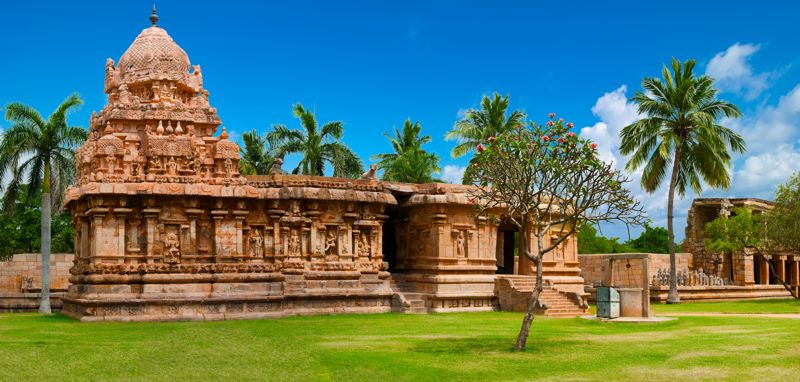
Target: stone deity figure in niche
228,167
363,245
155,163
294,243
172,250
330,242
460,243
111,161
256,244
172,166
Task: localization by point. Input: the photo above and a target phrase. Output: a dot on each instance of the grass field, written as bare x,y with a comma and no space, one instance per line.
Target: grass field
752,306
393,347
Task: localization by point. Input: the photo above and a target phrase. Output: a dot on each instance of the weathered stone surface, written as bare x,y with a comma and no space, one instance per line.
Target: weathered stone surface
167,229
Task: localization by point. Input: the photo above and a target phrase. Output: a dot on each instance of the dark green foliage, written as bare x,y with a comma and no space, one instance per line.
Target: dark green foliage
256,158
590,242
651,240
478,125
784,218
21,232
409,162
317,145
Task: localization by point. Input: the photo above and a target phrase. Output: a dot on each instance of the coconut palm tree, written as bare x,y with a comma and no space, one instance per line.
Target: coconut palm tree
316,145
478,125
680,134
409,162
256,158
40,150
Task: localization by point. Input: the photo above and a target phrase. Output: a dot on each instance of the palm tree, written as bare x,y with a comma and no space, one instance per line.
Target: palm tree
680,125
256,158
41,150
478,125
409,163
317,146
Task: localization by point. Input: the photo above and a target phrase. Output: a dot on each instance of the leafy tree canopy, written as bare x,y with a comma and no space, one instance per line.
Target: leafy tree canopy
256,156
409,162
21,231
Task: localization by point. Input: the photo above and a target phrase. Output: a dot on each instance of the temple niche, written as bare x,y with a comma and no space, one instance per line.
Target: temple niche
166,228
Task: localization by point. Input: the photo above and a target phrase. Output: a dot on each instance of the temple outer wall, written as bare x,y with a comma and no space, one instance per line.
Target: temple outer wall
593,266
594,271
445,253
21,281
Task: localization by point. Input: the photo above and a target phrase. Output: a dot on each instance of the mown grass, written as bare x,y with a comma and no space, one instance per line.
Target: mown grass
749,306
393,347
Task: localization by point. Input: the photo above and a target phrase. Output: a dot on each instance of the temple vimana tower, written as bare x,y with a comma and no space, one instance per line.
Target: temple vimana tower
166,227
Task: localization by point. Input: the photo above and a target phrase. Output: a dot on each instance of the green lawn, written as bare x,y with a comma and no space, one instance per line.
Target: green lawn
752,306
391,347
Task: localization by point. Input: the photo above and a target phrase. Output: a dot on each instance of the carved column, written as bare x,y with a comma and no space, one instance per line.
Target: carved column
239,216
151,220
441,236
217,216
97,214
122,214
780,266
85,224
191,246
795,267
763,268
349,218
133,235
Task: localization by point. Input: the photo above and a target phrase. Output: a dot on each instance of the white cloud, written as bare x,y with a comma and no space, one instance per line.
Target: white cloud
615,113
772,134
453,174
761,174
733,72
772,125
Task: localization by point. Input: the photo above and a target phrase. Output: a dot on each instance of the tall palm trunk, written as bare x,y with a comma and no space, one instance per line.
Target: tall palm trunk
672,296
44,303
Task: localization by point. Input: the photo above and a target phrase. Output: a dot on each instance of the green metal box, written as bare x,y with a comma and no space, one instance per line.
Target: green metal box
607,302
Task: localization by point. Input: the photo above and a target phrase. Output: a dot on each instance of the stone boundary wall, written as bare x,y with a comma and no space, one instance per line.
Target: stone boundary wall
21,280
23,272
593,269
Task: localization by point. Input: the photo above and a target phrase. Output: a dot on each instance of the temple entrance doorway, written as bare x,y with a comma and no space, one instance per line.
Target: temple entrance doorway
389,241
505,253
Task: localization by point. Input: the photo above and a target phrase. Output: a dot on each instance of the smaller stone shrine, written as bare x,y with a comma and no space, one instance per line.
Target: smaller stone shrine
167,229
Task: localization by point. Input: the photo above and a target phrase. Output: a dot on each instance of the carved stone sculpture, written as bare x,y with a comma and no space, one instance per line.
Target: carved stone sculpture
256,244
172,249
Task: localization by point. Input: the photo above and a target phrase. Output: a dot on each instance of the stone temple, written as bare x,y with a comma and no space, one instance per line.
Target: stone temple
167,229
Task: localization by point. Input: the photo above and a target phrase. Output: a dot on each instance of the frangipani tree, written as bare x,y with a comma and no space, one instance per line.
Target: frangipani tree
548,181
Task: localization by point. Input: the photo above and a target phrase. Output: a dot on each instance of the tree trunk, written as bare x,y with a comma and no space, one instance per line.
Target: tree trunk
44,303
672,296
533,302
527,320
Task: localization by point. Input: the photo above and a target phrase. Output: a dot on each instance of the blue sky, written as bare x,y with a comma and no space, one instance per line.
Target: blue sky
372,64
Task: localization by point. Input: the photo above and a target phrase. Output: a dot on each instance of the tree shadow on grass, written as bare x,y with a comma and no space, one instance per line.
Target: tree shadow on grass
484,345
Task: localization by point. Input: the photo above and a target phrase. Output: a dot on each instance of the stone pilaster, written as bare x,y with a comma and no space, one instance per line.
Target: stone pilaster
151,230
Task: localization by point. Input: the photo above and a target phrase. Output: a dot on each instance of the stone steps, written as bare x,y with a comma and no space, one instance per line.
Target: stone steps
555,302
407,302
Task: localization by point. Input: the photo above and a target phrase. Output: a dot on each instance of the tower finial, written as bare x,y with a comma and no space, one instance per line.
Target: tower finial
154,16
